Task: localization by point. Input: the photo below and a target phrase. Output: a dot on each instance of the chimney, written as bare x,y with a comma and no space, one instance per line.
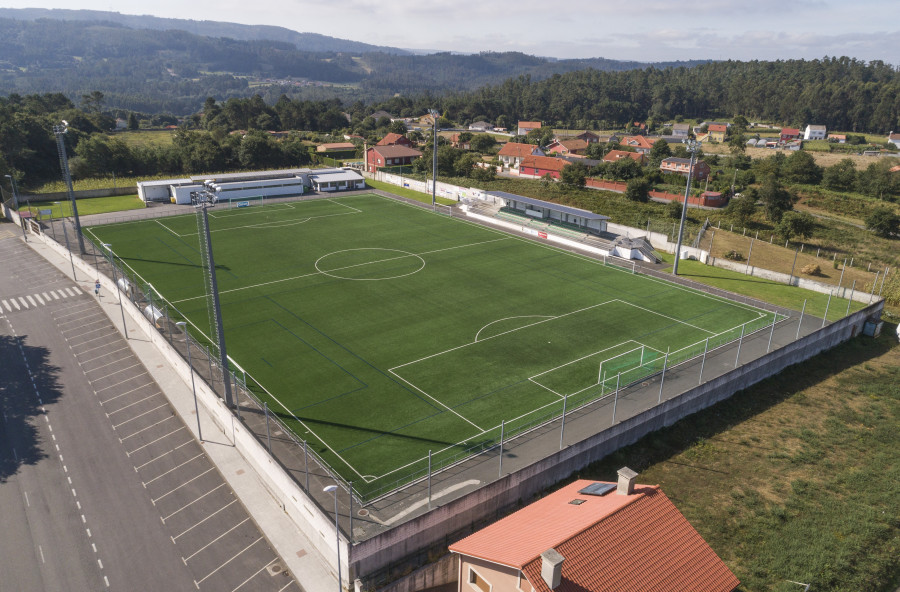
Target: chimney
626,481
551,568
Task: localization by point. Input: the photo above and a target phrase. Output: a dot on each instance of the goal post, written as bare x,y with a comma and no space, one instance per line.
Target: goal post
631,366
246,202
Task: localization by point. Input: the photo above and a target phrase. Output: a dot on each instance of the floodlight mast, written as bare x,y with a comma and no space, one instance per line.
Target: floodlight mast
434,147
203,200
693,147
59,131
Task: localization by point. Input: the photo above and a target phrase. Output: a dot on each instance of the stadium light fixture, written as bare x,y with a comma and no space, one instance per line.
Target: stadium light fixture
693,147
60,131
187,342
108,247
337,533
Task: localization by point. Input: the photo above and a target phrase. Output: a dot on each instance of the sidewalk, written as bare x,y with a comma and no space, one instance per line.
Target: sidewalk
299,555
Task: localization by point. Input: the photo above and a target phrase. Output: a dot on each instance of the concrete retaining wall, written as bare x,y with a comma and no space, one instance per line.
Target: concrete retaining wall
302,510
443,571
63,195
516,488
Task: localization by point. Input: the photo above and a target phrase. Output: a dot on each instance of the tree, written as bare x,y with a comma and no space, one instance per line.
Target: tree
841,176
659,151
673,209
638,189
573,175
776,199
483,143
465,164
878,180
883,222
132,121
92,103
398,127
741,209
484,174
795,224
800,167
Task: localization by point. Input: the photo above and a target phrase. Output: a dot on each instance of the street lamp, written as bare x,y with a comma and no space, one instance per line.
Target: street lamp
337,531
187,343
693,147
108,247
434,118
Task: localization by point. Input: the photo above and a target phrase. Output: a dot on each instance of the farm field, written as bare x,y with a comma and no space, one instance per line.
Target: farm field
380,331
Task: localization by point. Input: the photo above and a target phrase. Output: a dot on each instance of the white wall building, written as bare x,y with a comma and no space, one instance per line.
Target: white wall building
815,132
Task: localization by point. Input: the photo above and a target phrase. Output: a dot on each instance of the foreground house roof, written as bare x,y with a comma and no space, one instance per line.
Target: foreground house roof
616,542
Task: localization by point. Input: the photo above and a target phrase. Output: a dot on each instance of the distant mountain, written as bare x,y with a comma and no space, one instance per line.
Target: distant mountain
302,41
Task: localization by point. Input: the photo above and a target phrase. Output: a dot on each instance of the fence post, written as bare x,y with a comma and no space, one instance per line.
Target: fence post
502,427
800,324
429,479
616,398
703,361
562,430
662,378
874,283
772,332
749,253
740,343
883,277
850,300
268,435
827,304
843,267
350,533
306,464
793,265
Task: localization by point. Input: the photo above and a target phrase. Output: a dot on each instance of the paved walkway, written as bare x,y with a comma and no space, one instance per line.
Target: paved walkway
302,559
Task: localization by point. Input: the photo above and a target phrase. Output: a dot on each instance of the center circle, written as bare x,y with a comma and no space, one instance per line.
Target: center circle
367,264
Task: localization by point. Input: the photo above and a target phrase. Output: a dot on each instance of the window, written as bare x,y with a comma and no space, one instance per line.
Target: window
478,582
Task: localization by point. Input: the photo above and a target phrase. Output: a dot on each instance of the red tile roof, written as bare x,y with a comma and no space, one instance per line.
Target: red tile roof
614,542
391,139
636,142
544,163
718,127
396,151
530,124
789,131
614,155
335,146
516,149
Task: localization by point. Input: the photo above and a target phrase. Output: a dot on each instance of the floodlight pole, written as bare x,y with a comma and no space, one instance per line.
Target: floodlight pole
693,147
202,200
59,131
434,147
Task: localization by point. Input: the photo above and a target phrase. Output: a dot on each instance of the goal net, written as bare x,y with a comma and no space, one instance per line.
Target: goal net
246,202
628,367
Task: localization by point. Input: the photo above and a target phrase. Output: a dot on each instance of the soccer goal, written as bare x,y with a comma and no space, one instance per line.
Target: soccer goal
627,367
246,202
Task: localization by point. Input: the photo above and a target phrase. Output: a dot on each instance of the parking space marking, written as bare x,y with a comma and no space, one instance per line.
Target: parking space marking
153,460
93,348
171,491
187,505
72,311
147,428
100,328
172,469
154,441
230,560
222,509
83,362
128,393
194,554
106,354
262,569
78,320
132,404
122,382
112,373
94,339
139,416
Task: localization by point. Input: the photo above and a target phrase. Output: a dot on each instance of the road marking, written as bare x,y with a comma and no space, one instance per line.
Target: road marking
230,560
182,485
127,393
8,307
122,382
162,455
112,373
172,469
39,299
154,441
254,575
138,416
22,300
31,300
94,339
101,328
193,502
146,428
72,291
234,501
27,503
106,354
133,404
83,362
41,550
194,554
53,293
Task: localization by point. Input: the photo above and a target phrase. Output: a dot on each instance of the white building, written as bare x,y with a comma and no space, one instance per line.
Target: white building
815,132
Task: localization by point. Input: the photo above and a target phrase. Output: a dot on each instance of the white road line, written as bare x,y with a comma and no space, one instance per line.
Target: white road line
122,382
83,318
230,560
139,416
119,361
22,300
8,307
137,388
234,501
39,299
53,293
94,339
173,469
286,585
106,354
73,291
112,373
129,453
16,304
133,404
147,428
81,353
194,554
191,480
88,332
221,485
153,460
74,310
254,575
31,300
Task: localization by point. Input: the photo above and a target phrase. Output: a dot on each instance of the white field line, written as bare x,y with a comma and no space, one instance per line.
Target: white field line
659,314
234,211
585,357
276,224
169,229
476,426
510,318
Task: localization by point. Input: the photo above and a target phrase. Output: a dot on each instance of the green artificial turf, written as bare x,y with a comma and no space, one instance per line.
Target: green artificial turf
380,331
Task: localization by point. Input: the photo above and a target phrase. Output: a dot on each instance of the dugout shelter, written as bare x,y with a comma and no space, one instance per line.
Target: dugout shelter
549,211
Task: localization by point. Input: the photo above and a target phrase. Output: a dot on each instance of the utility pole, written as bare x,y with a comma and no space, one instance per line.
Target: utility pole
693,147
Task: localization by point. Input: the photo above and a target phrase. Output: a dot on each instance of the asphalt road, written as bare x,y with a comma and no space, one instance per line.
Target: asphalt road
101,486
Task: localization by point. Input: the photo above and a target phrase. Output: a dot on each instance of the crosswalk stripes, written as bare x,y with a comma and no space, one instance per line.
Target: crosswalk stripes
15,303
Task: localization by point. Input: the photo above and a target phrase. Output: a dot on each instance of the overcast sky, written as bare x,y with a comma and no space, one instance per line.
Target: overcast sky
651,30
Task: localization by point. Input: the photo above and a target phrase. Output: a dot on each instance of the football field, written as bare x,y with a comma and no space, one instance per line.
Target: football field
380,331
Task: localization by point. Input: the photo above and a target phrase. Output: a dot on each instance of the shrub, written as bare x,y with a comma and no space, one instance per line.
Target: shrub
734,255
811,269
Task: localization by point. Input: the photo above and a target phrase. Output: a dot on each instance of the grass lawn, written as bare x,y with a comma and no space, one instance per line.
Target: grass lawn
143,138
795,478
408,193
92,205
762,289
380,331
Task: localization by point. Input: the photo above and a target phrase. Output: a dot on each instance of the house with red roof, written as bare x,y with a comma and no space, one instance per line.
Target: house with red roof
512,153
538,166
789,133
682,166
566,147
526,126
589,137
614,155
639,143
602,537
389,156
393,139
717,132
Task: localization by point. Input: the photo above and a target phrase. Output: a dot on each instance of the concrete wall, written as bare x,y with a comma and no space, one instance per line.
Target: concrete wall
62,195
443,571
505,493
659,241
539,234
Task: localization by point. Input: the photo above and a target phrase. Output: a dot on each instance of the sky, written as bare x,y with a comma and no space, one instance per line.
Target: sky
648,30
